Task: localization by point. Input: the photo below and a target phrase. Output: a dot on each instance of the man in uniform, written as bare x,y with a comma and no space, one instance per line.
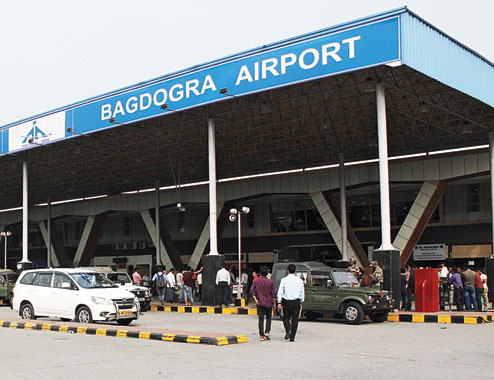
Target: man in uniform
355,269
377,275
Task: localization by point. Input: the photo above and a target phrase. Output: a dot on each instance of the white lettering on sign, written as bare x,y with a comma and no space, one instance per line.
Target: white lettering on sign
306,60
159,97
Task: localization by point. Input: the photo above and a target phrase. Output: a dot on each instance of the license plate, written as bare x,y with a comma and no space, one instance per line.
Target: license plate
125,312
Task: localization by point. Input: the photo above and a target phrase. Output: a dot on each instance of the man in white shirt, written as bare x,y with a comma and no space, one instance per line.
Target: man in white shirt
223,283
291,294
170,286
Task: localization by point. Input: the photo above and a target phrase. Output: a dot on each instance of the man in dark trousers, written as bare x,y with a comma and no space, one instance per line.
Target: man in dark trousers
263,292
291,294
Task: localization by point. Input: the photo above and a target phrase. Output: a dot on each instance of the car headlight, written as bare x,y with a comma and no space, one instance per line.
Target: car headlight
100,300
147,292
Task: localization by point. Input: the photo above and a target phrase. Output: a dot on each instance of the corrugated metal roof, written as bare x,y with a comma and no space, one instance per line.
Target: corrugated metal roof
430,51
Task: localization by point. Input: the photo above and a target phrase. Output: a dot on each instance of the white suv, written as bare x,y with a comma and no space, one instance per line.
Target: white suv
85,296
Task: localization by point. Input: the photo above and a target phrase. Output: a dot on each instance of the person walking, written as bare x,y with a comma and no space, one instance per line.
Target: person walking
291,294
159,280
223,283
265,296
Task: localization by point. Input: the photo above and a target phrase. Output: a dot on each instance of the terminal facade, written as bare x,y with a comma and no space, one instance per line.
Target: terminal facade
275,129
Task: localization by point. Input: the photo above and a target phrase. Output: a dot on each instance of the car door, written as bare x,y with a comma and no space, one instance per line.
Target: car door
3,286
40,293
64,294
322,291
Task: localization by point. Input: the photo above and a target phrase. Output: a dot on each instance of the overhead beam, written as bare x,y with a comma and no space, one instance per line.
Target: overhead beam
89,240
417,218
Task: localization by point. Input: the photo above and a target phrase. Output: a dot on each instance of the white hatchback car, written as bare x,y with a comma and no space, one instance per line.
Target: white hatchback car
84,296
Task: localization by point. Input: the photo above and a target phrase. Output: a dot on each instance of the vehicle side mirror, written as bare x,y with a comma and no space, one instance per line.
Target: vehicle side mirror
66,285
329,283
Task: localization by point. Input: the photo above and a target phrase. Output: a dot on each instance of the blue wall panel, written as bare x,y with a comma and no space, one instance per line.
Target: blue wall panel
431,52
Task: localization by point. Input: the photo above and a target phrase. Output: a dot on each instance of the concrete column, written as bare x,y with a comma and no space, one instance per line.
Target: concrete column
344,233
25,221
383,168
48,257
157,217
212,188
491,161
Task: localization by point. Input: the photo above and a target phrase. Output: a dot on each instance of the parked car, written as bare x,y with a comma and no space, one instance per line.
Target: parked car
123,280
7,282
336,291
83,295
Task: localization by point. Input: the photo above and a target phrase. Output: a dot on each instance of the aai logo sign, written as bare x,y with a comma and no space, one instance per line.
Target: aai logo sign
37,132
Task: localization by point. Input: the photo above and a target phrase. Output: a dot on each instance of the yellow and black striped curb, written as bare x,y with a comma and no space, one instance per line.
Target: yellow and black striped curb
427,318
216,341
206,309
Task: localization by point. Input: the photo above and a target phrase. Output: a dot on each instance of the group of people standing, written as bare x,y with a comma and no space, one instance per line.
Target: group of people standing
176,286
470,289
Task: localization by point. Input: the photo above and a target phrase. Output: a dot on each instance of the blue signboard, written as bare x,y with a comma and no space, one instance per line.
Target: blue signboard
329,54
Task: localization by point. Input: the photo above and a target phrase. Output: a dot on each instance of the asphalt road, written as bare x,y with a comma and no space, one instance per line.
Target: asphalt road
322,350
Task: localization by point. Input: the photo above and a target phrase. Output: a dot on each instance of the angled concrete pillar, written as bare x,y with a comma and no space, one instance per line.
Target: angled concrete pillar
202,244
151,227
48,241
418,216
170,247
89,240
332,222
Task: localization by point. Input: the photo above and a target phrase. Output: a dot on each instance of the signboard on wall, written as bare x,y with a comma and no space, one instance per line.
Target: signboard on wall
429,252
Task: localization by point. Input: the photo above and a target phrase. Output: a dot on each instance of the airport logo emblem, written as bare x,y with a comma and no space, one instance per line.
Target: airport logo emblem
37,132
34,134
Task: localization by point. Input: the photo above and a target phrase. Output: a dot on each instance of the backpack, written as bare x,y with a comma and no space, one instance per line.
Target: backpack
160,281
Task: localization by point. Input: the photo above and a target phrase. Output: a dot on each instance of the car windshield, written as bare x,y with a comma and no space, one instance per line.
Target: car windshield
93,280
120,278
345,279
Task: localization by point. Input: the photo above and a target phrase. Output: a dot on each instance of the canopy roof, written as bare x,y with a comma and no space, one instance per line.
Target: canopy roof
302,122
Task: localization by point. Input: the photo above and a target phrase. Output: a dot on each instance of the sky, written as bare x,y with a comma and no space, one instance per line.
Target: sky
57,52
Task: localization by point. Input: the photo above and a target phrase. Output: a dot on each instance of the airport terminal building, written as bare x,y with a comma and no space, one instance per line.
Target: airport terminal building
373,134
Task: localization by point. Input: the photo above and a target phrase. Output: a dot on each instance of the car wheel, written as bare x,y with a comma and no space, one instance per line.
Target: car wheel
353,313
84,315
312,315
379,317
124,322
27,311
